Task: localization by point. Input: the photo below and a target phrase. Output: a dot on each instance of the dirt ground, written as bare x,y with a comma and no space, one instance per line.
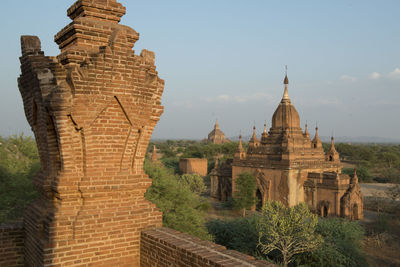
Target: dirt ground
382,242
375,189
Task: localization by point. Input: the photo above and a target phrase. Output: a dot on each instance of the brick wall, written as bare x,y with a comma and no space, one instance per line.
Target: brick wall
193,165
167,247
11,245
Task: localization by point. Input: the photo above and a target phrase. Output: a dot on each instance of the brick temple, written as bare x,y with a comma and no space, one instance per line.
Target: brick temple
290,167
216,136
92,110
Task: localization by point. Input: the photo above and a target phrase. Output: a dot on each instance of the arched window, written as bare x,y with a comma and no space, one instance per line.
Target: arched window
259,200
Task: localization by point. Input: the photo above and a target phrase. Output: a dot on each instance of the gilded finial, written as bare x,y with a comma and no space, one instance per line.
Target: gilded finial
286,82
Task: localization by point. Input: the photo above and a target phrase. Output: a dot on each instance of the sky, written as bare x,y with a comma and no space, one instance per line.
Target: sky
225,60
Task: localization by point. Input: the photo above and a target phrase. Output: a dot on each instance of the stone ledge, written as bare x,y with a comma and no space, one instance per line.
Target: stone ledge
167,247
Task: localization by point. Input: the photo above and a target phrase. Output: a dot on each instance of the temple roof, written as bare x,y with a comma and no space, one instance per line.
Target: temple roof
286,115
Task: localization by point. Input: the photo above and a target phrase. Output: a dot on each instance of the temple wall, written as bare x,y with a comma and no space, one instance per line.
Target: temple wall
279,183
193,165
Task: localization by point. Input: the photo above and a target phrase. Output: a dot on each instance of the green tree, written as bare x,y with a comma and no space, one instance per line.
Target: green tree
239,234
289,230
390,158
19,162
182,209
341,246
194,182
363,174
244,195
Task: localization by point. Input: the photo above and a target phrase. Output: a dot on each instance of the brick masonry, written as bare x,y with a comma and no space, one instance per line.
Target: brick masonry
92,109
12,245
167,247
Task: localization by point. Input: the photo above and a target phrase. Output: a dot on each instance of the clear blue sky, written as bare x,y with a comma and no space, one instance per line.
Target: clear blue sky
225,59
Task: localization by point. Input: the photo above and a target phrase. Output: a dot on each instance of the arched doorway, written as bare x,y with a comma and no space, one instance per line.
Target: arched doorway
355,212
259,200
324,211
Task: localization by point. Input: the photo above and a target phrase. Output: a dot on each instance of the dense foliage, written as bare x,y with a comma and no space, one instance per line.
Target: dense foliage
239,234
183,210
194,182
19,162
289,230
379,163
244,197
340,246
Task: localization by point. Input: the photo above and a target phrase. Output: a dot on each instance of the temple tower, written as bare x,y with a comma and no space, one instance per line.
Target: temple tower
92,109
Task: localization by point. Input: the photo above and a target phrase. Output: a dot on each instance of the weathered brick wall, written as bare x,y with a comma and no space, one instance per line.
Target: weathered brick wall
167,247
193,165
92,109
11,245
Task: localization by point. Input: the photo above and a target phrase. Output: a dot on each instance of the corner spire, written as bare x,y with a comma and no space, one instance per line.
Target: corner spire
240,147
355,177
332,144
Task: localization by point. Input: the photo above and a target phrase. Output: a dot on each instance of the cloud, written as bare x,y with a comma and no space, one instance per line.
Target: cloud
225,98
348,78
395,74
375,76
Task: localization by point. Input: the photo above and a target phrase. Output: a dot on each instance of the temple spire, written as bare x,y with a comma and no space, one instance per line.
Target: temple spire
316,141
286,82
154,156
306,129
254,137
355,177
240,147
216,126
332,145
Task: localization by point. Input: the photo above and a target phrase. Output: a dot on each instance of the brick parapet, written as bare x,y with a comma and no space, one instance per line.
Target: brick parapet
167,247
12,245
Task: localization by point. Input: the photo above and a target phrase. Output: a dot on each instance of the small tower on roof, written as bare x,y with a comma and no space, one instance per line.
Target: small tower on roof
306,133
154,156
254,142
264,135
240,153
316,142
354,180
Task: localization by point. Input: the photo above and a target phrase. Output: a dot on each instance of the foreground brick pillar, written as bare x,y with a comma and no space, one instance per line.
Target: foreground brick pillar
92,109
